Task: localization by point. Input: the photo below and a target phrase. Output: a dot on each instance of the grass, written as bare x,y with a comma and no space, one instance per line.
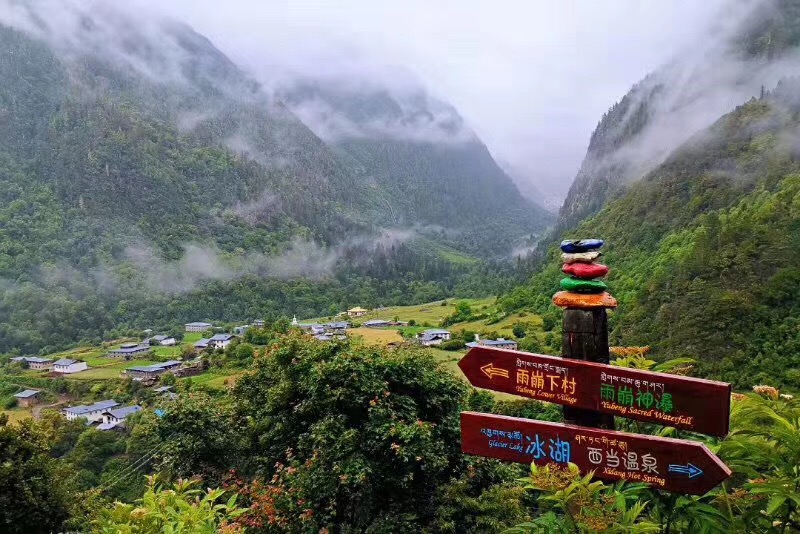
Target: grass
376,336
449,360
215,378
110,368
16,415
503,327
430,313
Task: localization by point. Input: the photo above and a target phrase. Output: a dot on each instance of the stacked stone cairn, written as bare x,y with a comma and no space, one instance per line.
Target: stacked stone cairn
583,289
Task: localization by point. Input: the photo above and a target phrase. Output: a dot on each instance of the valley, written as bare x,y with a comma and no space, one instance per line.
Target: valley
105,373
236,282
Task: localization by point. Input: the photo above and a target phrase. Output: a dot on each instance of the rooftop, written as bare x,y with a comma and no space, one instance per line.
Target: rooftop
221,337
122,413
66,361
436,331
129,348
155,367
86,408
198,323
26,393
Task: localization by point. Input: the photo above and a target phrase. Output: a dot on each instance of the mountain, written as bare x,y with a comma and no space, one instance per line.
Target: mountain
146,179
420,159
752,47
703,246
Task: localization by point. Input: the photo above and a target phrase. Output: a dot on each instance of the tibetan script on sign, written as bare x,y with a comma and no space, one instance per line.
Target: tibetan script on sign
678,401
668,464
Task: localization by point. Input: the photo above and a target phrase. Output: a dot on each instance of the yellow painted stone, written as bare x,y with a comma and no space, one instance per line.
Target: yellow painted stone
568,299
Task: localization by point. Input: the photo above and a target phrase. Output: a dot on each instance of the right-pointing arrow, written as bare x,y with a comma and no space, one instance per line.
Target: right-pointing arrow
689,469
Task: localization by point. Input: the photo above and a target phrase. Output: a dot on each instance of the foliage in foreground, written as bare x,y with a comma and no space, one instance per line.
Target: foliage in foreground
181,509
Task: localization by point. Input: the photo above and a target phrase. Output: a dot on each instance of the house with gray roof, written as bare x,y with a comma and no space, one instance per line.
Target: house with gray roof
33,362
129,350
220,341
198,326
115,418
376,323
27,397
434,336
68,366
152,371
499,343
91,412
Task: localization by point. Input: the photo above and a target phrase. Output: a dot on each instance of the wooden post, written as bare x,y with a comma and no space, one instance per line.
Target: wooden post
585,337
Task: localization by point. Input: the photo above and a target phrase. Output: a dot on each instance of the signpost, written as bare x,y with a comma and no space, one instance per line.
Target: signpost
592,392
678,401
669,464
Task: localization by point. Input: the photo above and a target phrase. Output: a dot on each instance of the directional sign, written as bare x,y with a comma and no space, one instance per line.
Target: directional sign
679,401
665,463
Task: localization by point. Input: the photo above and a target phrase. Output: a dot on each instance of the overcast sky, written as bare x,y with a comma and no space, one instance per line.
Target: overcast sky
531,77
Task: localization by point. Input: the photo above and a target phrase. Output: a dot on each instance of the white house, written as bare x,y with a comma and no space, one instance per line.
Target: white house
197,326
116,417
163,340
67,366
433,337
90,412
356,312
220,341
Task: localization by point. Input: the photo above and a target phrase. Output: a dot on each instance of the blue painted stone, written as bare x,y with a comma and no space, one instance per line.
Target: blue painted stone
571,246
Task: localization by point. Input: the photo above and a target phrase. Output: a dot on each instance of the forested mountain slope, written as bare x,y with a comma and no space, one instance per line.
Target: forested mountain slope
705,250
421,159
145,178
753,46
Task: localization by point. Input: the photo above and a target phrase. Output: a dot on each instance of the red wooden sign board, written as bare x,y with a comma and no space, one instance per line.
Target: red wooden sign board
669,464
678,401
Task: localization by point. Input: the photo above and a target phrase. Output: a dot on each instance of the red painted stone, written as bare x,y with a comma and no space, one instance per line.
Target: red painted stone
584,301
585,271
683,402
669,464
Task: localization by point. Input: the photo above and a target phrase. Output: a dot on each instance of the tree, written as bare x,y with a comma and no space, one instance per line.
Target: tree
32,497
519,331
361,436
197,436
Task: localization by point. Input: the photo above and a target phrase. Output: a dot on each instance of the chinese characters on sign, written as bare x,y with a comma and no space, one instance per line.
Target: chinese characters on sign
670,464
679,401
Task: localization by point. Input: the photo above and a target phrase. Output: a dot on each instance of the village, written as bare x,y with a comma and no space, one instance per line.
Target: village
206,355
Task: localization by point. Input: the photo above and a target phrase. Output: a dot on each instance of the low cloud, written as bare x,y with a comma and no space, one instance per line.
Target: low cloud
302,258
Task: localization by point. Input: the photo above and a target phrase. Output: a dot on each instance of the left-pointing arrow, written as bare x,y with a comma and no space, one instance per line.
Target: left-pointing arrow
491,371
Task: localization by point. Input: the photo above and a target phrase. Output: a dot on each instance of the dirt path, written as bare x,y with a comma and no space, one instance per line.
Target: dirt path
37,409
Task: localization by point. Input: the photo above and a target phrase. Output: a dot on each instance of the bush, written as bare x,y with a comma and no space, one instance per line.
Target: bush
519,331
453,344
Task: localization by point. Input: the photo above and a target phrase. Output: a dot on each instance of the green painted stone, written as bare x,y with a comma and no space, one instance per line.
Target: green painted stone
582,286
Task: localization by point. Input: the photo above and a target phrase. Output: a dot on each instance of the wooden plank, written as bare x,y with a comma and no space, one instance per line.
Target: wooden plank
664,463
678,401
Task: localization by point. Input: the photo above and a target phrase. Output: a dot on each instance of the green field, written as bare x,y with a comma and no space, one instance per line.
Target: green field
215,379
431,315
